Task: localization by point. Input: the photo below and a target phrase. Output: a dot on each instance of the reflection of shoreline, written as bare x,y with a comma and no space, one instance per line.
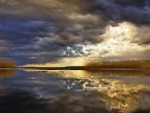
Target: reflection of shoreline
142,73
103,72
79,68
7,73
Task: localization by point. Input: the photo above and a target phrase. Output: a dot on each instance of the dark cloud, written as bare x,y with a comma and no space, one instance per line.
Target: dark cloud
129,2
143,35
141,111
43,26
131,13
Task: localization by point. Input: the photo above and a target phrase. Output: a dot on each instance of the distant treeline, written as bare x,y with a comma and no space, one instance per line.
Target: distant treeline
6,63
119,64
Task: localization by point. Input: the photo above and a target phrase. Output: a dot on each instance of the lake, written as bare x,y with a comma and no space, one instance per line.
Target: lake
73,91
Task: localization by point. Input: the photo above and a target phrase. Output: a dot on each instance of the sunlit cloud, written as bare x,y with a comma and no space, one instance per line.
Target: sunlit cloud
117,40
61,63
46,31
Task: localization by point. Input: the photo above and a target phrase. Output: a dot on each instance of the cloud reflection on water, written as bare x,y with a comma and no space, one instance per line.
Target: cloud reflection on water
117,92
81,92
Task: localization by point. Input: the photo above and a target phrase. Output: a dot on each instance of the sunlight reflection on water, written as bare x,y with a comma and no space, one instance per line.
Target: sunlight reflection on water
80,91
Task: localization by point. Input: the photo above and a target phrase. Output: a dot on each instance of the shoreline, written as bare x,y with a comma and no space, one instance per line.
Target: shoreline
73,68
80,68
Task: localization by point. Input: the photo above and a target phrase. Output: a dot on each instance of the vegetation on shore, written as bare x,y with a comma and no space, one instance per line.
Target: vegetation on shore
119,64
6,63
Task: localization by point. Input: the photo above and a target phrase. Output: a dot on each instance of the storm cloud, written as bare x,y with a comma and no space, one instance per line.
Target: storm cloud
36,29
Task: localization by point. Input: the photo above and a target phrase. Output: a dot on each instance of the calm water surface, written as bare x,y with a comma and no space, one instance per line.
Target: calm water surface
34,91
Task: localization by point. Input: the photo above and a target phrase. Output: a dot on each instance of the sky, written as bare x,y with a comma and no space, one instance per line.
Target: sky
74,31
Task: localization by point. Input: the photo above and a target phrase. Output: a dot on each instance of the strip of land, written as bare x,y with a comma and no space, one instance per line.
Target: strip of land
80,68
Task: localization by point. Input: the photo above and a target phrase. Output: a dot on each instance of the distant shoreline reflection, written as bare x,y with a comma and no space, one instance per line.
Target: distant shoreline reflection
7,73
140,73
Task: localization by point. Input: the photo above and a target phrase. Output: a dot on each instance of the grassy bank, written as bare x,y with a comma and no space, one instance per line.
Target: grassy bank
119,64
6,63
